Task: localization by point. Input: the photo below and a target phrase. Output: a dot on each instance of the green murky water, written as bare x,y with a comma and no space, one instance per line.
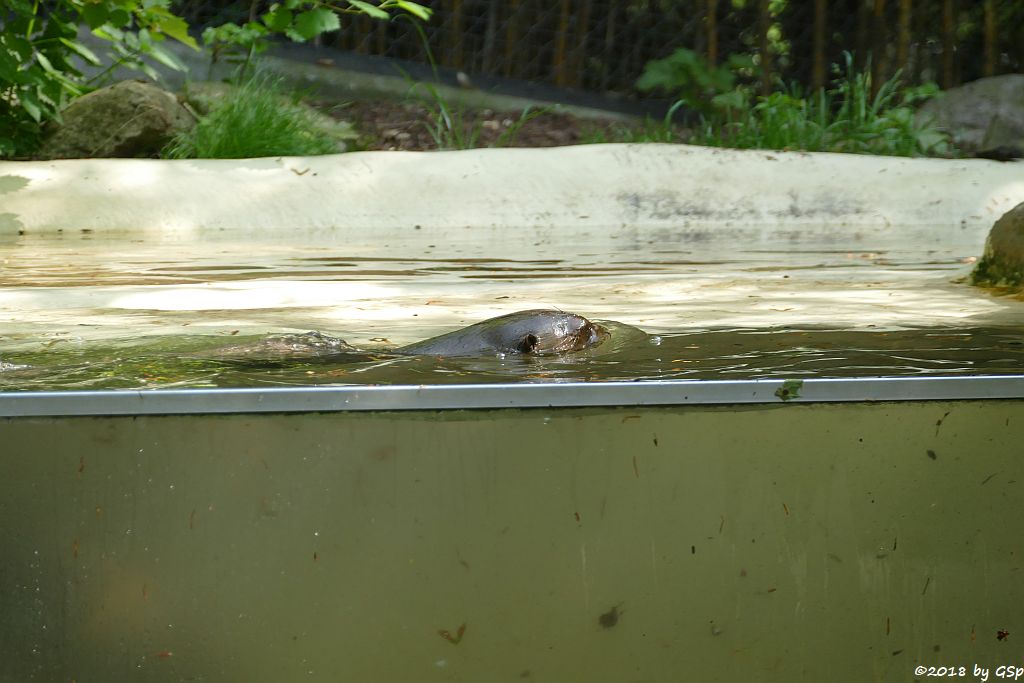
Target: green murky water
216,361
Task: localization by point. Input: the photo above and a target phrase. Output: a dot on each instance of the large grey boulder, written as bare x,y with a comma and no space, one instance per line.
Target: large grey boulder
127,119
1003,262
982,115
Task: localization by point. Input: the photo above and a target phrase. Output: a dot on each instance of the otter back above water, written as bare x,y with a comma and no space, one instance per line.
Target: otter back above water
536,332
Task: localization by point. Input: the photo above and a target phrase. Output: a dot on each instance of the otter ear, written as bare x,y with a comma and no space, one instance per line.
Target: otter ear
527,344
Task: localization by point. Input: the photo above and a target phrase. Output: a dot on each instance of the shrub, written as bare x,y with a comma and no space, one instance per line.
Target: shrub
255,120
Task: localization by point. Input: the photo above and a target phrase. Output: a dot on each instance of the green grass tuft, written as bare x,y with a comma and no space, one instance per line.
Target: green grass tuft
845,118
258,120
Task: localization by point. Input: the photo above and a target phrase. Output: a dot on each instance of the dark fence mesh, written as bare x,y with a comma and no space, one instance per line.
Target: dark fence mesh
602,45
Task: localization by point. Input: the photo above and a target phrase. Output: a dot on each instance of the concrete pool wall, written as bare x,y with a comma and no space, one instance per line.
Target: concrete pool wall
575,189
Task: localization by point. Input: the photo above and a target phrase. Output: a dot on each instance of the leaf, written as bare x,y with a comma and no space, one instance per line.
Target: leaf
278,19
165,58
108,32
45,63
9,66
95,14
84,52
367,8
415,9
18,46
27,98
148,70
316,21
173,26
119,18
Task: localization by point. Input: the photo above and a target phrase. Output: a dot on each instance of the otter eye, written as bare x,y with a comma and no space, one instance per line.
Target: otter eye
527,344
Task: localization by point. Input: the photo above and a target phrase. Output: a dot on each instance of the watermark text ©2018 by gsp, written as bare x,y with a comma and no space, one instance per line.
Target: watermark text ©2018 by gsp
1006,672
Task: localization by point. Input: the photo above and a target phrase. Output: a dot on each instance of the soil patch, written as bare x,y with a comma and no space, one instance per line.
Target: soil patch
392,125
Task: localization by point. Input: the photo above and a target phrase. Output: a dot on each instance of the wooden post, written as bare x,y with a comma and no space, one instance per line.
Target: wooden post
903,42
579,48
863,40
712,32
820,23
990,39
948,44
561,38
490,38
879,49
457,36
511,65
764,21
610,31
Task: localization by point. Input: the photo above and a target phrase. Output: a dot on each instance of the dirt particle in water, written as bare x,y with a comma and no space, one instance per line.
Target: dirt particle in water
453,639
611,617
932,455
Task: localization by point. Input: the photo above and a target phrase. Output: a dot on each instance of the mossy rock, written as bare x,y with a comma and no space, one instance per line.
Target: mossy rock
1003,262
127,119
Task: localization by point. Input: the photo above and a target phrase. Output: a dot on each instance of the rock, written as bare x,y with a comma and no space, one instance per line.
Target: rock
127,119
1003,262
982,115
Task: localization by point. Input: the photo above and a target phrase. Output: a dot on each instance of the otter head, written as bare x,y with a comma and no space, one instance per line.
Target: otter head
561,333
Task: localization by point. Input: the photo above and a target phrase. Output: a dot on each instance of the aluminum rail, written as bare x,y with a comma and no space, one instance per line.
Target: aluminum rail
490,396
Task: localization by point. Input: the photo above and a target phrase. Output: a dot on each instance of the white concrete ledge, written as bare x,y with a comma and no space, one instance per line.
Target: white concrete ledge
683,189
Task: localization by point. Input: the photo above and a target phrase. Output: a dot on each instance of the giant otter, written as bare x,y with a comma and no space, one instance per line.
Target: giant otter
536,332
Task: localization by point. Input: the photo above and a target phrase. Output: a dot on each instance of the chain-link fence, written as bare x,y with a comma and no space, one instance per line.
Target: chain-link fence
602,45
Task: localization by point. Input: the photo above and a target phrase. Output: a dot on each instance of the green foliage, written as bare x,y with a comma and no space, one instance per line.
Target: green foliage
256,120
300,20
700,86
39,43
845,118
